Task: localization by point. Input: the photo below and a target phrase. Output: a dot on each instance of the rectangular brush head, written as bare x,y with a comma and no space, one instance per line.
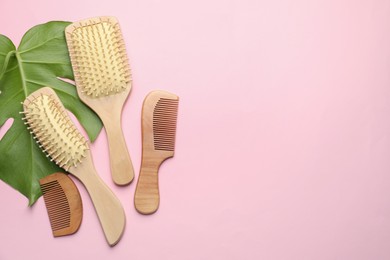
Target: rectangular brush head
98,55
53,129
63,203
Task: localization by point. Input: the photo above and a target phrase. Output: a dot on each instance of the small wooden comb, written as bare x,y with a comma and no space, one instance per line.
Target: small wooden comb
63,203
159,117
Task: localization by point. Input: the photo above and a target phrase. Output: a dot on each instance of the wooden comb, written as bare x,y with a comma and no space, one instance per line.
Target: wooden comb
63,203
103,79
59,138
159,117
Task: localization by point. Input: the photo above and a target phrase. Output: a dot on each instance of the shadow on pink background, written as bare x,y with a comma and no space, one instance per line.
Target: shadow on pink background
283,142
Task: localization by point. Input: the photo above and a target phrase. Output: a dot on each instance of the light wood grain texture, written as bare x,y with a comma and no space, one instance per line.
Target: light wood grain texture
103,80
63,203
159,116
57,140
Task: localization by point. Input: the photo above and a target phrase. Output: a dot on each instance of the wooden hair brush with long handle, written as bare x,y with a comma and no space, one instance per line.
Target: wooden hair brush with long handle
59,138
103,79
159,116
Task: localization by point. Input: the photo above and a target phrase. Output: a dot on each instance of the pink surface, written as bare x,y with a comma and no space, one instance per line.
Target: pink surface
283,140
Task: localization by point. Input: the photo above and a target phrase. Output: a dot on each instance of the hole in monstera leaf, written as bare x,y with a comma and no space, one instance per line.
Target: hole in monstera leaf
4,129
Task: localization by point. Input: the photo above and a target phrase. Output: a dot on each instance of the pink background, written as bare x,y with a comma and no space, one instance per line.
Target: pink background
283,141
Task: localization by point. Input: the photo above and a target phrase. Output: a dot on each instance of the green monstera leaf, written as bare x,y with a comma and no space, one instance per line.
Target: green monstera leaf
40,60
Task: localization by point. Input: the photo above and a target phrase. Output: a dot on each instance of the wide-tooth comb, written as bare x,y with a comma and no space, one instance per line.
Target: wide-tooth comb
63,203
103,79
159,117
59,138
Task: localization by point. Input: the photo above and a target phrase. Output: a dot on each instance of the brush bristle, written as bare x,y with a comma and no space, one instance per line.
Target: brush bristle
99,58
164,124
53,130
57,205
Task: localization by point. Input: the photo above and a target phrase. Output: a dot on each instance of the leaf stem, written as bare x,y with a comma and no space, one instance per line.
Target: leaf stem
6,61
22,74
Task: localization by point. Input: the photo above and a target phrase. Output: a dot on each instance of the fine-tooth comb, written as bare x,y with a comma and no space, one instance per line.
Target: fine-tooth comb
103,79
59,138
159,117
63,203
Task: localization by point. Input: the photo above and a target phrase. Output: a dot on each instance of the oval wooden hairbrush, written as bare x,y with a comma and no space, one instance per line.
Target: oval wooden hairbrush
59,138
63,203
103,79
159,116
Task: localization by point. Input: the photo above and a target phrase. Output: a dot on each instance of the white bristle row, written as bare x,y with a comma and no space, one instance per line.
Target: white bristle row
54,131
99,58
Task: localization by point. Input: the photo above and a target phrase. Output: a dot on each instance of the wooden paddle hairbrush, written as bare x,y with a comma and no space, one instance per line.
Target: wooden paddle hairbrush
159,117
59,138
103,79
63,203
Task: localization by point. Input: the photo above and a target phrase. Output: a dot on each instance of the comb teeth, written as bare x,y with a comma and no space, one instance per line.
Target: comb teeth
164,124
63,203
54,131
57,205
99,58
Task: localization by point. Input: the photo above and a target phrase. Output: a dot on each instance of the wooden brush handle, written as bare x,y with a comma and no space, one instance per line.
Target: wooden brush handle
121,166
108,207
147,197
